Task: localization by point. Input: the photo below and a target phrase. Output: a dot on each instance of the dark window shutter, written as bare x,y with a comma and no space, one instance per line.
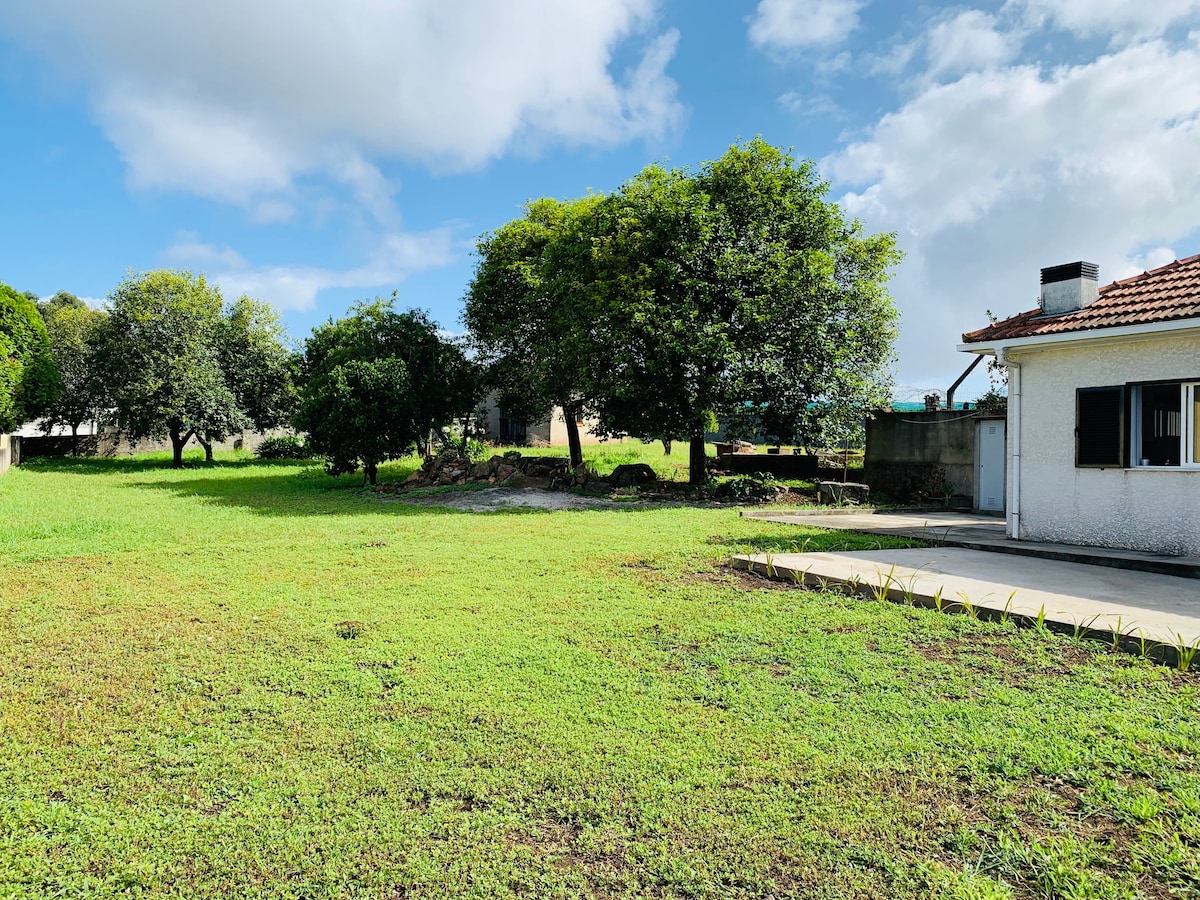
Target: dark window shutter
1100,426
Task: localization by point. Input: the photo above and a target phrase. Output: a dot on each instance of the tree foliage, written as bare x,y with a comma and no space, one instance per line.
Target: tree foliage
525,310
29,380
253,354
165,364
376,383
75,331
740,289
733,292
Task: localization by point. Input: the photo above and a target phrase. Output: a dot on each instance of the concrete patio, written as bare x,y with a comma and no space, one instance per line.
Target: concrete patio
975,531
1107,592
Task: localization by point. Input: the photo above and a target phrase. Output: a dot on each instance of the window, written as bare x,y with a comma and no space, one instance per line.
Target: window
1100,427
1153,424
511,430
1164,418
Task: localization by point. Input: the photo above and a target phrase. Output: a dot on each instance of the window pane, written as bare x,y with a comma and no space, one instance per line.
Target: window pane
1196,423
1162,418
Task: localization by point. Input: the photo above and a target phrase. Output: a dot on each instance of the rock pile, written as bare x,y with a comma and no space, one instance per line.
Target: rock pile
510,470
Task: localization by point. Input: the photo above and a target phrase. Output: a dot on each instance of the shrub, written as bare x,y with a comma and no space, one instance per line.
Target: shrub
288,447
477,451
760,487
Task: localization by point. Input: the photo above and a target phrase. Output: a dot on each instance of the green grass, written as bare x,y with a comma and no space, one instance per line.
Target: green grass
254,680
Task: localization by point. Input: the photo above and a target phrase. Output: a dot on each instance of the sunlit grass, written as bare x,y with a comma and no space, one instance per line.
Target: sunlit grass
256,680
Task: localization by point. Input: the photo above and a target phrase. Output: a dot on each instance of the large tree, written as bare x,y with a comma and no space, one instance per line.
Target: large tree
527,312
161,360
738,286
376,383
29,380
75,330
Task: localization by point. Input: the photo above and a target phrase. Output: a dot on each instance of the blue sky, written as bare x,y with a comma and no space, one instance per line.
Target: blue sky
315,153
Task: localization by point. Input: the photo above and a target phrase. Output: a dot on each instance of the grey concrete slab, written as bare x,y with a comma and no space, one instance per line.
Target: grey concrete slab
978,532
1162,608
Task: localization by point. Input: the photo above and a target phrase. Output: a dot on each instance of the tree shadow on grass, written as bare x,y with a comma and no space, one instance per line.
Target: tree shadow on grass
110,465
310,492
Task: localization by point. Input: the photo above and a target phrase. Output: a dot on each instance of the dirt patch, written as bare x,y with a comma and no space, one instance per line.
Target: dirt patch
500,498
742,580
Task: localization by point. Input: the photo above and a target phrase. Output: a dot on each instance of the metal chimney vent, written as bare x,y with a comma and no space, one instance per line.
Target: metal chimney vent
1071,271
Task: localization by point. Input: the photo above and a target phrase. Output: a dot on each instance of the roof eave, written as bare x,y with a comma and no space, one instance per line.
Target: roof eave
1090,335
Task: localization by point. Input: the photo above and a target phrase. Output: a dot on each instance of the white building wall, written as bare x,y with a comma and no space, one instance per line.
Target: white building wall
1139,509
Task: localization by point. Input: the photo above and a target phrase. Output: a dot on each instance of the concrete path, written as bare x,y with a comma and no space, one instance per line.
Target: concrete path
978,532
1161,608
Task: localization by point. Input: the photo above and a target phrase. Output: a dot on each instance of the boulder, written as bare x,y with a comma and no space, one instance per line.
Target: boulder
632,475
529,481
835,493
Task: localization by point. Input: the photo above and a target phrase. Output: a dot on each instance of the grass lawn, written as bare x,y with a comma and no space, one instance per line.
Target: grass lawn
254,680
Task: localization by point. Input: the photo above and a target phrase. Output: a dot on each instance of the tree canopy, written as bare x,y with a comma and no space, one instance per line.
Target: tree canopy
177,365
253,353
736,291
376,383
75,331
29,380
525,310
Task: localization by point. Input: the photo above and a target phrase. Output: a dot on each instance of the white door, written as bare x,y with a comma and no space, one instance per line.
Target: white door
990,465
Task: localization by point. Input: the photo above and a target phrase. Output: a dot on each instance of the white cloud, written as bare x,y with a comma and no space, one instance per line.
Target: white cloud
990,177
798,24
813,105
391,259
1123,20
237,101
968,42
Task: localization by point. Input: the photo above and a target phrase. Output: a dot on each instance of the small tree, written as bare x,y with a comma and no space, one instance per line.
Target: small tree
75,331
29,380
376,383
161,362
252,352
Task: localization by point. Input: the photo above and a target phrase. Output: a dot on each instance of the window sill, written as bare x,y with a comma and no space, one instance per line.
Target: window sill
1187,468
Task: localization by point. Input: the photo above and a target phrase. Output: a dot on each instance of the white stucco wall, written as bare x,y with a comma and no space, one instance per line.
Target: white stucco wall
1140,509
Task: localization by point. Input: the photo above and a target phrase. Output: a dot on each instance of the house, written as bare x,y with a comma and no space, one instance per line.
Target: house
1103,438
502,429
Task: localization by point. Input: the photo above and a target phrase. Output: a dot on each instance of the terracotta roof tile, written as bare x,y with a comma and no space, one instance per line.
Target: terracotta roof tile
1161,295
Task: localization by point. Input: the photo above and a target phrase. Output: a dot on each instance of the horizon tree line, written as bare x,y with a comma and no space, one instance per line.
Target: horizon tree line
735,291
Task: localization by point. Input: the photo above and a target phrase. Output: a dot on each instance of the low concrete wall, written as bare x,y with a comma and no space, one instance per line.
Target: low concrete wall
912,454
5,453
781,465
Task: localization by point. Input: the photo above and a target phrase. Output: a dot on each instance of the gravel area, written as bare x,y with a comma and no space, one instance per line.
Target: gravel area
509,498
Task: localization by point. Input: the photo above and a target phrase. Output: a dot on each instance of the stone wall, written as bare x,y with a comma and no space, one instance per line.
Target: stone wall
110,444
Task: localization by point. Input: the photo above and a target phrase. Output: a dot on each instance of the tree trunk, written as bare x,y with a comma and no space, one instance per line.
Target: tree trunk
666,447
75,437
697,459
207,445
371,470
571,417
177,443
